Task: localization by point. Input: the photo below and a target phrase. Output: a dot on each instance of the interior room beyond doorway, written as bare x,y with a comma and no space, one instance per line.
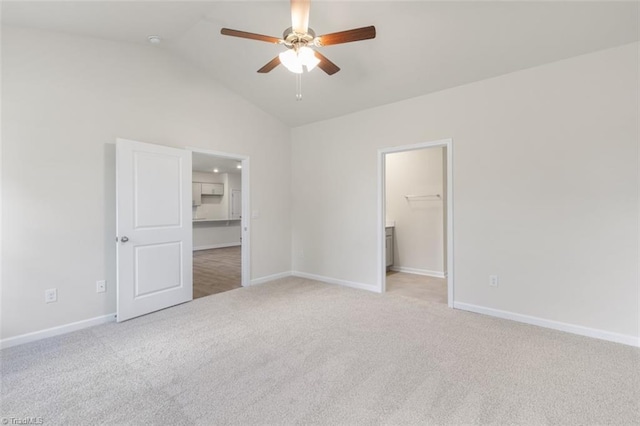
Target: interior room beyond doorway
217,214
415,213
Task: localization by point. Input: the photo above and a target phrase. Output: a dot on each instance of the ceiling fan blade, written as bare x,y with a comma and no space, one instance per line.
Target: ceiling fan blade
270,65
356,34
300,16
326,65
252,36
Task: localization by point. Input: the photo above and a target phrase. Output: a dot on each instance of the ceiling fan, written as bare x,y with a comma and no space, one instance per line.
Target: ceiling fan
299,39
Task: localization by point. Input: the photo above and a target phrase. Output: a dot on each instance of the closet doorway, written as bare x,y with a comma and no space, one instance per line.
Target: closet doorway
415,221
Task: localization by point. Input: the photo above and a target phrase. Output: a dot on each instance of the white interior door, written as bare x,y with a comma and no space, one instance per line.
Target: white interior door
154,242
236,204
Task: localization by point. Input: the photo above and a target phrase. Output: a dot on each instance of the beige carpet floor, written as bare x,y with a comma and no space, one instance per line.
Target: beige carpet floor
421,287
296,351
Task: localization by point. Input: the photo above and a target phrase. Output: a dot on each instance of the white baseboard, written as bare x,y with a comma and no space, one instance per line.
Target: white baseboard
337,281
425,272
56,331
555,325
215,246
262,280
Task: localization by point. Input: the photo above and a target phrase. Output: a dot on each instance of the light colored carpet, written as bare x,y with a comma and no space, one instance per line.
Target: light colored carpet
421,287
296,351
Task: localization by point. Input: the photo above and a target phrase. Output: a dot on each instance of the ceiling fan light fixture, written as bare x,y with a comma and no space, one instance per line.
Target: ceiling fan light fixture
297,38
291,61
294,60
308,58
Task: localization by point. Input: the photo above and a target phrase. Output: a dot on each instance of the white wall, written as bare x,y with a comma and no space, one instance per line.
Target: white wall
545,180
235,182
419,222
65,101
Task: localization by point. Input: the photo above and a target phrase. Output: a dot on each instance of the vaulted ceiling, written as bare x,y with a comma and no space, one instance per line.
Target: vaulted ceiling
421,47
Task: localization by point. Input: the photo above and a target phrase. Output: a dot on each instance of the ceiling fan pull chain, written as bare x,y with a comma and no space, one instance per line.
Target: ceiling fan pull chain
298,87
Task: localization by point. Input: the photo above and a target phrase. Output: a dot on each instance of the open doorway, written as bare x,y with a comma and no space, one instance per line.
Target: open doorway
218,182
415,243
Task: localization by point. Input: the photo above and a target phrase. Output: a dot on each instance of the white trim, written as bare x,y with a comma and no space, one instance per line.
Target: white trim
555,325
215,246
262,280
329,280
447,143
414,271
56,331
637,251
245,228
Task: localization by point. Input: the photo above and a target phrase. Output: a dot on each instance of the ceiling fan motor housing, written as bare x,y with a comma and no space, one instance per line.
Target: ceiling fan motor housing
297,40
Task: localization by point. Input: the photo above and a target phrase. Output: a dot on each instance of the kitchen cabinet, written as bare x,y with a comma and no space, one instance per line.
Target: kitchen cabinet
389,246
196,193
212,189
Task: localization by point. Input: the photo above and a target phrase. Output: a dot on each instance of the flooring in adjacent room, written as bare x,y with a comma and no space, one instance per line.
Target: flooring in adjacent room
216,271
428,289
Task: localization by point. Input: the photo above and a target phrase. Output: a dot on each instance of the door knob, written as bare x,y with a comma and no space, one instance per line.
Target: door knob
124,239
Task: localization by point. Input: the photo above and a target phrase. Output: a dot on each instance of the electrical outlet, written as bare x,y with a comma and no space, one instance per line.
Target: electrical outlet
301,254
101,286
493,281
51,295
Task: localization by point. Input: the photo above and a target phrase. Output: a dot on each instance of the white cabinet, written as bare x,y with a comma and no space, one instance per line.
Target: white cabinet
196,193
212,189
210,201
389,247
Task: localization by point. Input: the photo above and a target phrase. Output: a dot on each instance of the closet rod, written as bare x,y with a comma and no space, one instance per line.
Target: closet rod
410,197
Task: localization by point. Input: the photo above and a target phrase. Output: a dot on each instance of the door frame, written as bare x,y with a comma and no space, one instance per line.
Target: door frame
245,246
448,144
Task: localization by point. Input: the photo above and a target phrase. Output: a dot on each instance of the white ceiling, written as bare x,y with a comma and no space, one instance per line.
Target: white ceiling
421,47
206,163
